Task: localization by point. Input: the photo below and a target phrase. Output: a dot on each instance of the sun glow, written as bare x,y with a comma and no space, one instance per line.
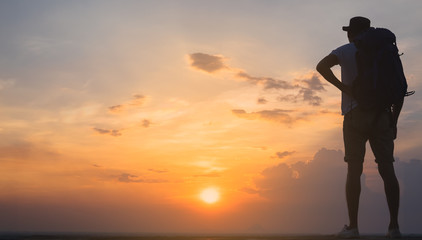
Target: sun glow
210,195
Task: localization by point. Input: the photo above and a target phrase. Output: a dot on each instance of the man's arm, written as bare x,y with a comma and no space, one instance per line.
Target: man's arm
324,68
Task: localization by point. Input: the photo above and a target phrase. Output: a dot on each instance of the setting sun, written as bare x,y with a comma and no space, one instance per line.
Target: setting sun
210,195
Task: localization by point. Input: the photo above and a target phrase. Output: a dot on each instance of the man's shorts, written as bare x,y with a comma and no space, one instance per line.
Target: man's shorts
360,126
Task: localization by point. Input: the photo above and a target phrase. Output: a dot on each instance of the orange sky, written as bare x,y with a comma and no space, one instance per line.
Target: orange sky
115,117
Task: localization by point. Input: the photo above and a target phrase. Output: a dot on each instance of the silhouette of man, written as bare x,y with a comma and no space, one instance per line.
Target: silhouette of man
360,126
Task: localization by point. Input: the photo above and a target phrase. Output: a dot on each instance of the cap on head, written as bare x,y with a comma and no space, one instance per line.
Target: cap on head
357,24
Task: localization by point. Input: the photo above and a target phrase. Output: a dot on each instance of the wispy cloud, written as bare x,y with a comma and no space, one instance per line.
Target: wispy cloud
211,174
5,83
283,116
267,82
275,115
115,108
136,101
37,45
157,170
24,150
130,178
105,173
111,132
250,190
284,154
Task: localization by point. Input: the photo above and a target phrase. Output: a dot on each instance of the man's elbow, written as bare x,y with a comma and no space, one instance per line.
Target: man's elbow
321,68
326,63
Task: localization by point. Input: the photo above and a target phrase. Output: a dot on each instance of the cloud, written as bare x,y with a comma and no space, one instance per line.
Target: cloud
115,108
5,83
157,170
27,150
284,154
275,115
42,45
325,111
136,101
314,83
307,91
105,173
145,123
212,63
308,95
249,190
211,174
206,62
284,116
111,132
130,178
261,101
299,194
276,178
268,83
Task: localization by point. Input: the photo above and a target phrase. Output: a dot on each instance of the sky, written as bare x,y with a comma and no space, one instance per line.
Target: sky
117,115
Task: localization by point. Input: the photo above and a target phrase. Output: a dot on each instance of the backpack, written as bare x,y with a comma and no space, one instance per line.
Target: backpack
380,82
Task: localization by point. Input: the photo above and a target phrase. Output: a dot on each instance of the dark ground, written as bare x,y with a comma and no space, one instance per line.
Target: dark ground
20,236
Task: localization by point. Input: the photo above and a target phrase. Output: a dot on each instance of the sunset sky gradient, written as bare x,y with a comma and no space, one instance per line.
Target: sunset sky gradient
116,115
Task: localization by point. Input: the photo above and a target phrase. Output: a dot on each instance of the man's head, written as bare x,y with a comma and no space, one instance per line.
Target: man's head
356,26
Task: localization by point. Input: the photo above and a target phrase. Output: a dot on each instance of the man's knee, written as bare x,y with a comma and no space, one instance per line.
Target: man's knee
354,169
386,169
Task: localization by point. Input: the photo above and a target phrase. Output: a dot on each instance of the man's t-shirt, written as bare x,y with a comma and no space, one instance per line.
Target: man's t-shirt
346,56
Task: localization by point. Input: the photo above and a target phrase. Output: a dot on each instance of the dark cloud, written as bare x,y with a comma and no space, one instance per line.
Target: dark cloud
115,108
130,178
268,83
261,101
275,115
305,95
314,83
410,177
284,154
299,194
206,62
307,92
307,89
308,95
111,132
